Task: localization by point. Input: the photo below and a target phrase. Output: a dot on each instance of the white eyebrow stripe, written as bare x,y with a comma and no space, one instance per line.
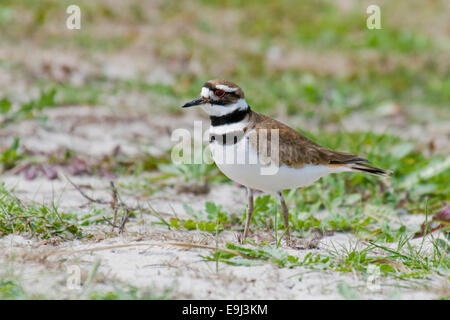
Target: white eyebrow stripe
226,88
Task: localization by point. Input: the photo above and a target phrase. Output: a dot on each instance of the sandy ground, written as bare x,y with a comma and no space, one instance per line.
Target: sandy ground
136,123
160,265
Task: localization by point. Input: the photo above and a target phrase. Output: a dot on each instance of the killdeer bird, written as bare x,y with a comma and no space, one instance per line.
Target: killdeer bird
244,143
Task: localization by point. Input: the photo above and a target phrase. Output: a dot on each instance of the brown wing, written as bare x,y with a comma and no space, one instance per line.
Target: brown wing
295,150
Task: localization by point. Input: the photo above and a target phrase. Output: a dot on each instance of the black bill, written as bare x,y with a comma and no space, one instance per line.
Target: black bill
195,102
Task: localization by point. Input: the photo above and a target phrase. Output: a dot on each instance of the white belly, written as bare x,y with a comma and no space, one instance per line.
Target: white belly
245,170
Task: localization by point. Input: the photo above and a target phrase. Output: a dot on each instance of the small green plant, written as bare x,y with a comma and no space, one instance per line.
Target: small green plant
29,109
10,156
255,256
5,106
212,212
212,219
11,289
35,220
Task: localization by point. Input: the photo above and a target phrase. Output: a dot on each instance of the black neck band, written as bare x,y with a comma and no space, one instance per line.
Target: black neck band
233,117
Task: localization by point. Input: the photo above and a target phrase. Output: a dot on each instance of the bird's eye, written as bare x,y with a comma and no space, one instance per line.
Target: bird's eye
219,93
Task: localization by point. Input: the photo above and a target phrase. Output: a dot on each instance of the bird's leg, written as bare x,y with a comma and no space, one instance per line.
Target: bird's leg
285,211
249,212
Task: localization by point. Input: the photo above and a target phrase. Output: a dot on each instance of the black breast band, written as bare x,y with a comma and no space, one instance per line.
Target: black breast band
233,117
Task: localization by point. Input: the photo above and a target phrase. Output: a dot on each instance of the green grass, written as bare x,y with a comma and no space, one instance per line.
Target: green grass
212,219
313,25
11,284
405,261
10,289
30,109
322,24
10,156
38,221
325,98
112,164
35,221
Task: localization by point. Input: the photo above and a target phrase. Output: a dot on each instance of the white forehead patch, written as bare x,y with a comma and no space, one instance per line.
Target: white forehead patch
226,88
205,92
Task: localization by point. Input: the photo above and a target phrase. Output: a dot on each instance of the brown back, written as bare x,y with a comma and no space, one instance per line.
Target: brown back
295,150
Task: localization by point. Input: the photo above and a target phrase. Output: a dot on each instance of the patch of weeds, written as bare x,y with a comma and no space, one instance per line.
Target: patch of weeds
140,163
11,289
342,217
261,207
138,12
5,106
255,256
95,216
435,168
68,94
108,165
210,226
6,15
212,219
35,220
10,156
404,261
30,109
212,212
419,260
267,213
322,24
351,259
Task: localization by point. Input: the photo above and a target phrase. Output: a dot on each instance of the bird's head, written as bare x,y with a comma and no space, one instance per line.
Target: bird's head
219,98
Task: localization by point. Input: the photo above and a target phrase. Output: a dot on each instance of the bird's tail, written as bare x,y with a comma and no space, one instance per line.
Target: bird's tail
354,163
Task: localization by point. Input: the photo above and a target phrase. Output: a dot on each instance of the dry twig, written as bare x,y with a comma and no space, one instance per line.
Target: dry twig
114,203
84,194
